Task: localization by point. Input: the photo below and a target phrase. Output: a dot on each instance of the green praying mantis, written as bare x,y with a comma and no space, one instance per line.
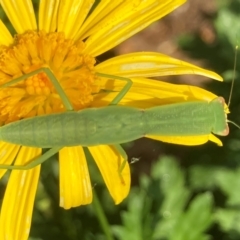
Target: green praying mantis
111,125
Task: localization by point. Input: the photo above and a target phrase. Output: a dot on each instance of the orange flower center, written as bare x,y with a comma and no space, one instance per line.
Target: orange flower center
35,94
38,85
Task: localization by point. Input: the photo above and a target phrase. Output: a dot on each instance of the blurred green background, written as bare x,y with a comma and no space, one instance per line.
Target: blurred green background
178,192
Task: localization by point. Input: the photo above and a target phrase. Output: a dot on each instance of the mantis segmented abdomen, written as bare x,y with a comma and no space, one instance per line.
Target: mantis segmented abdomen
117,124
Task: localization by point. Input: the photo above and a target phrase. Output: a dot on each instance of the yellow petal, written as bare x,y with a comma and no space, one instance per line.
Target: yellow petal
146,93
132,99
75,185
97,17
109,162
71,16
126,20
150,64
8,153
216,140
187,140
5,36
21,14
16,212
48,10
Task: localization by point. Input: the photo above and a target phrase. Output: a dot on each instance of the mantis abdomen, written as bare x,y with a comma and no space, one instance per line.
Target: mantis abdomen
117,124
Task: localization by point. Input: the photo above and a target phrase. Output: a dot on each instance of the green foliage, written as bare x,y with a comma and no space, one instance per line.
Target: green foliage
170,203
162,209
227,23
228,182
228,27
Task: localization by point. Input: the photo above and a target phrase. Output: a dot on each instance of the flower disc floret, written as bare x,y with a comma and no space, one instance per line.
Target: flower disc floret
36,95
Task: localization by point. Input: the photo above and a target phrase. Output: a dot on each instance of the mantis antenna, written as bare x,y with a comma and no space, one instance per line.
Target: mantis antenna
233,80
234,75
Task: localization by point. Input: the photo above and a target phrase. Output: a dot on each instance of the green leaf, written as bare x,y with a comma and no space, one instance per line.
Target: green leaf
195,221
229,183
224,23
203,177
228,219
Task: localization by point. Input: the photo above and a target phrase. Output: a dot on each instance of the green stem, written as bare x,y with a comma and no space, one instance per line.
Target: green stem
101,217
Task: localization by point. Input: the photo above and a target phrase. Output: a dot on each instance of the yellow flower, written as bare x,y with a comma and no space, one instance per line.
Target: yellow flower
66,40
